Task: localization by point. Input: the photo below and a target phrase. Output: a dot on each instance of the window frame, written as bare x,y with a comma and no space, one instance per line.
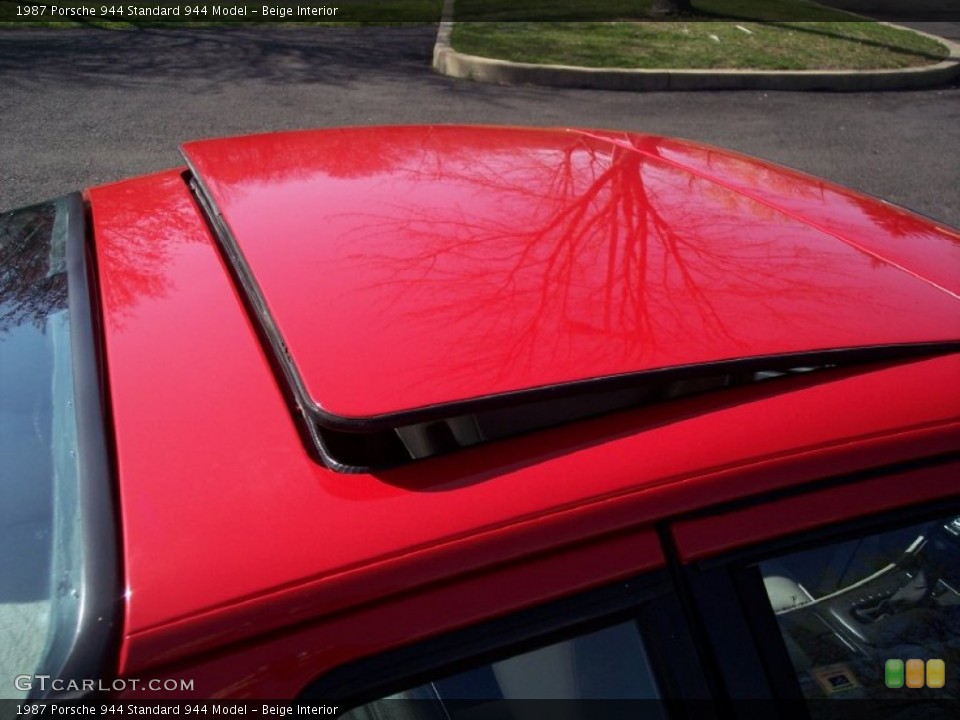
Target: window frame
743,625
85,644
634,600
732,657
94,643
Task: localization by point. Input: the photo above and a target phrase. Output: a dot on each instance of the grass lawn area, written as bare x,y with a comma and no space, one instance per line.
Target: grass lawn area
757,34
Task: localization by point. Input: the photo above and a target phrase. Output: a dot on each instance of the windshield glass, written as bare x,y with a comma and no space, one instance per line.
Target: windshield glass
39,514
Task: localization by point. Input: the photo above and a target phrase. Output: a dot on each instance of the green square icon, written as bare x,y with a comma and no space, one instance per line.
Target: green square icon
893,673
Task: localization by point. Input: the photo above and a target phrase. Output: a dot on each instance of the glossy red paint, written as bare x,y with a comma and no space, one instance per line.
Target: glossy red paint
410,267
917,245
707,537
232,532
280,665
407,267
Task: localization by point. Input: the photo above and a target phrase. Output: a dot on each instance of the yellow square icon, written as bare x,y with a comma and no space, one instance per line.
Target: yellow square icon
936,673
915,673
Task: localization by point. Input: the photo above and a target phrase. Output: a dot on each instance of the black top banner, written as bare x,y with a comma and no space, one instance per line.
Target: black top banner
396,709
101,12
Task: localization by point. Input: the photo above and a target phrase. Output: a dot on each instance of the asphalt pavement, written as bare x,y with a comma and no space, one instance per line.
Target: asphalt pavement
83,107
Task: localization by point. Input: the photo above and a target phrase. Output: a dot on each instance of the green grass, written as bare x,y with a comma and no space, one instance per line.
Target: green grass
741,34
613,10
692,44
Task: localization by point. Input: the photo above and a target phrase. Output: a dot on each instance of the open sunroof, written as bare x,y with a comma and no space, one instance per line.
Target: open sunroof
446,429
424,289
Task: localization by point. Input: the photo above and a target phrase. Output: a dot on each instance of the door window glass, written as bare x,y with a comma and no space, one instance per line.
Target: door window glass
611,663
873,617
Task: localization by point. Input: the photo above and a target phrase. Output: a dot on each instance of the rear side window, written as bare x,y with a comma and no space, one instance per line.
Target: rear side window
611,663
628,642
607,664
873,617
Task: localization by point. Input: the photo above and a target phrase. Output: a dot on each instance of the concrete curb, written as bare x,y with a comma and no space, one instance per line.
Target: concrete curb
448,61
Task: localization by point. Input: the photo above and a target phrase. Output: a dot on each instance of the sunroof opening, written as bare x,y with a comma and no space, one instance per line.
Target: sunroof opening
390,447
378,434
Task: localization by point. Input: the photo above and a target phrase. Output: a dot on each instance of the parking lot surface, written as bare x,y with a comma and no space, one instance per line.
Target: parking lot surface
83,107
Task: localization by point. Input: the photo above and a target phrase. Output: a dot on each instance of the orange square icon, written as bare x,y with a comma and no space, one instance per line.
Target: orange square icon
915,673
936,673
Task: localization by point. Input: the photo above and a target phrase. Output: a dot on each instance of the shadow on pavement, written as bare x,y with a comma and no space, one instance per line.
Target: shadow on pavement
901,10
285,54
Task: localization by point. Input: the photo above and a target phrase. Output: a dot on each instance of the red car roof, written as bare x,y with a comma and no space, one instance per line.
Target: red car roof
231,528
411,267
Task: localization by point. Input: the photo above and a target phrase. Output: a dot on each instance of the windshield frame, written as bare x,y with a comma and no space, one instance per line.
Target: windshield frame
85,631
88,645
